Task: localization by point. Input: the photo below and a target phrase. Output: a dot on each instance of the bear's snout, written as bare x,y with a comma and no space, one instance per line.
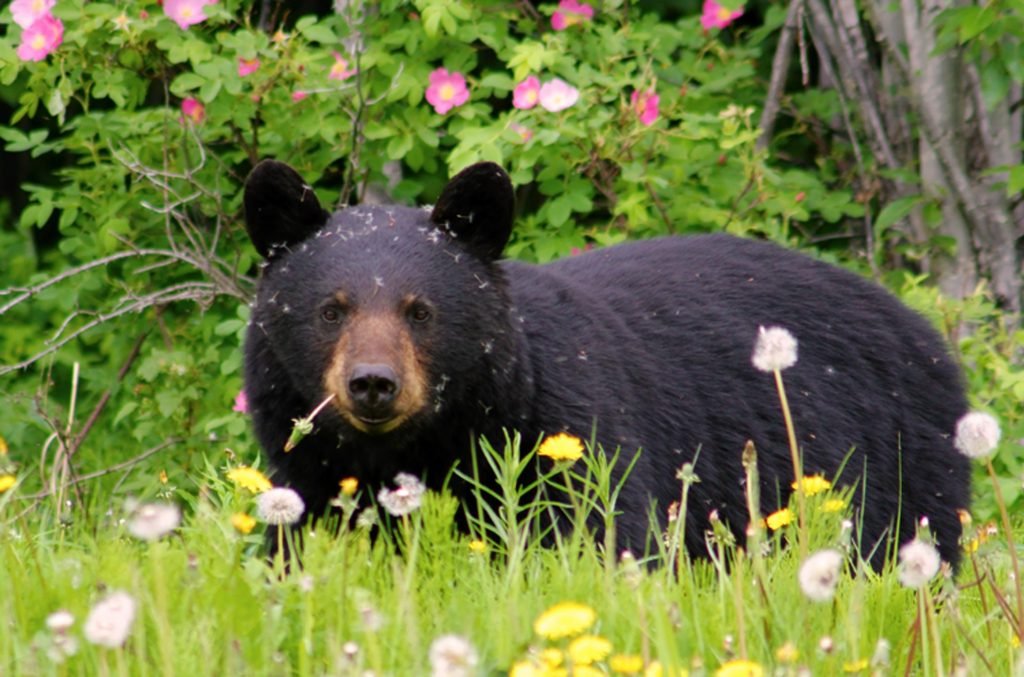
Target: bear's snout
375,374
373,389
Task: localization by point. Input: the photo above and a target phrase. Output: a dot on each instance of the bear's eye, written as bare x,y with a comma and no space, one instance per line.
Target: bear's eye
331,315
419,313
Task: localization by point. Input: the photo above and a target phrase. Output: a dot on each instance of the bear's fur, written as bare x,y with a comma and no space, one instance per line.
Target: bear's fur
426,341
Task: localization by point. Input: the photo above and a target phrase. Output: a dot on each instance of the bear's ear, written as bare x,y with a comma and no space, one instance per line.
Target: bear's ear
477,207
280,208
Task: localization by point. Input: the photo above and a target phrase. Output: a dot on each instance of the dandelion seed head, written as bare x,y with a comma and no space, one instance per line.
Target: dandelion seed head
919,562
452,656
819,575
977,434
774,350
405,498
280,505
110,620
153,521
60,621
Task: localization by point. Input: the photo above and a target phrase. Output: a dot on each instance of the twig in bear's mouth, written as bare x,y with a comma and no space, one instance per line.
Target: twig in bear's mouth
304,426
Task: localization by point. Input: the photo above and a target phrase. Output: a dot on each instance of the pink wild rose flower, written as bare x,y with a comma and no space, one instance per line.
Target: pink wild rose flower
27,12
570,13
645,104
716,16
527,93
186,13
446,90
193,109
524,133
557,94
41,38
340,69
247,66
241,403
298,95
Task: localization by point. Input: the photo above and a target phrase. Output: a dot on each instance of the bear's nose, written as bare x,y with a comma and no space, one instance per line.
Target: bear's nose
373,386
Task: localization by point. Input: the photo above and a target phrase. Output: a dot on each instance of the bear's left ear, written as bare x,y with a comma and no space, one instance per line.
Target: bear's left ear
477,208
280,208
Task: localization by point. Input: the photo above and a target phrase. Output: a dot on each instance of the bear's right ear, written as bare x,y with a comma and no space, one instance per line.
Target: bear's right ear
280,208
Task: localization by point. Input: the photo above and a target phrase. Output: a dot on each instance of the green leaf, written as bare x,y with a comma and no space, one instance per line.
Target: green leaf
896,211
186,82
125,411
320,33
1015,184
398,146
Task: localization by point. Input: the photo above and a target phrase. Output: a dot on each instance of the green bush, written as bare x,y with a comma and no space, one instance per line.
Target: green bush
129,258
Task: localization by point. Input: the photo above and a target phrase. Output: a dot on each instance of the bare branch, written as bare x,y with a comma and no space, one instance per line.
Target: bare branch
25,293
199,292
780,67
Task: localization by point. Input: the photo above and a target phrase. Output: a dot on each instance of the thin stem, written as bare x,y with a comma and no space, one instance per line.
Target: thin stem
1005,518
798,469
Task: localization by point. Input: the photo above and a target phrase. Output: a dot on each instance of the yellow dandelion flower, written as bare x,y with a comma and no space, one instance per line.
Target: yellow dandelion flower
551,658
3,447
524,668
163,477
562,447
787,654
833,505
589,649
779,519
813,484
243,523
6,482
477,546
249,478
564,619
626,664
740,668
586,671
1015,640
656,669
349,485
856,666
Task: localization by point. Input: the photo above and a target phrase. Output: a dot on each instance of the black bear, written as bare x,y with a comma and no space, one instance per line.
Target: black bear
423,339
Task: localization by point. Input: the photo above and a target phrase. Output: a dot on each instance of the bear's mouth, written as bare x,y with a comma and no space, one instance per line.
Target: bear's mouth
375,425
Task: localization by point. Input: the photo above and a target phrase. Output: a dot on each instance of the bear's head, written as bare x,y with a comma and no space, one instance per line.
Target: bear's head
391,312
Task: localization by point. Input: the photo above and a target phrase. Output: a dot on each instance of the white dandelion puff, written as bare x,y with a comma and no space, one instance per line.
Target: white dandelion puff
405,498
819,575
60,621
279,505
153,521
977,434
110,620
774,350
919,562
452,656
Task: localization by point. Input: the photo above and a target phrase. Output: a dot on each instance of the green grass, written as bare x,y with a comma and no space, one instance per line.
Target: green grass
208,603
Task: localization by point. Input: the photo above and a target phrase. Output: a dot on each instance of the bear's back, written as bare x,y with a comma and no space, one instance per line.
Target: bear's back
657,336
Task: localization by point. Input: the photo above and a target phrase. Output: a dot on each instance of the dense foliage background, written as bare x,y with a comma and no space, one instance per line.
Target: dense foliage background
882,136
128,141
